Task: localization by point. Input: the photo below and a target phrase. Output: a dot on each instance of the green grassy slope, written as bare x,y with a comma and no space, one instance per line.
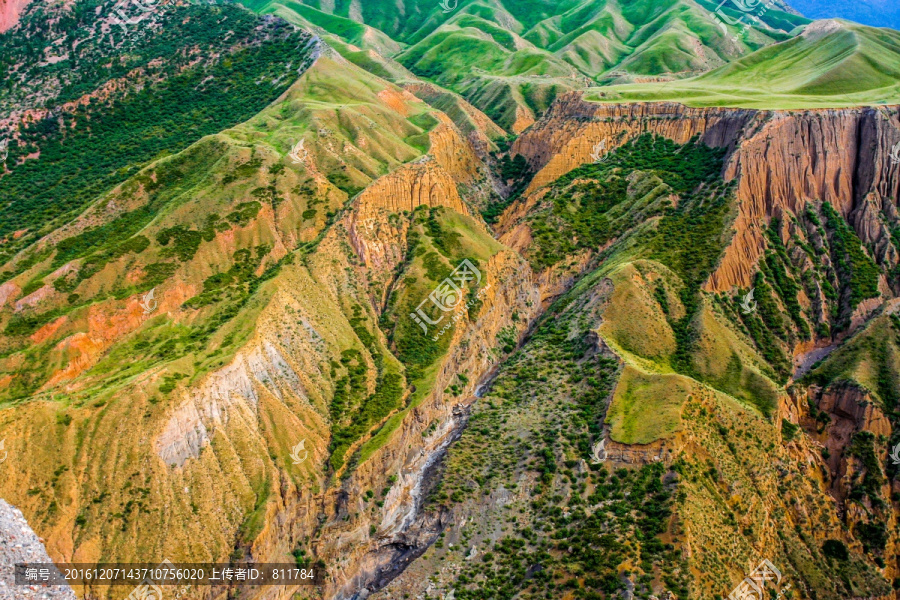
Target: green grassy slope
662,214
239,242
163,221
833,63
331,25
139,98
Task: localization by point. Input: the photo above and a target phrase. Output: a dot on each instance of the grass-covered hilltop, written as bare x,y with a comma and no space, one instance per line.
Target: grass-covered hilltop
831,64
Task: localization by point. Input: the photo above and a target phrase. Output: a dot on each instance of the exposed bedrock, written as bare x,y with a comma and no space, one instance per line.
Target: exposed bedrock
781,160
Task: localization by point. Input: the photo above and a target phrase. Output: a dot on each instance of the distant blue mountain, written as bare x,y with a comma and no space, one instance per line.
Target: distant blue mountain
876,13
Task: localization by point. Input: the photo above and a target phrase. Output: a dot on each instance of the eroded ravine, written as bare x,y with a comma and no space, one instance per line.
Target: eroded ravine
768,185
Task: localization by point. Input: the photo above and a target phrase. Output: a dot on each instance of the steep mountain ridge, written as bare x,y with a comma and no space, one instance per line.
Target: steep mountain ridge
758,466
246,227
125,97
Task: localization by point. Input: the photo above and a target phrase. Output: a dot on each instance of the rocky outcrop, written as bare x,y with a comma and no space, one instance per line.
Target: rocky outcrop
423,182
377,234
233,393
19,544
849,410
8,291
664,451
524,119
836,156
453,153
567,135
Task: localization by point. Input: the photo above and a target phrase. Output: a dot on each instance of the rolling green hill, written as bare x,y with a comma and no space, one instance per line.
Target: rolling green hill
512,59
832,63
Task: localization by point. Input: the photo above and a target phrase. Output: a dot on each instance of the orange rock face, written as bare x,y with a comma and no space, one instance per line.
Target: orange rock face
452,152
105,327
791,158
780,159
422,182
567,136
397,100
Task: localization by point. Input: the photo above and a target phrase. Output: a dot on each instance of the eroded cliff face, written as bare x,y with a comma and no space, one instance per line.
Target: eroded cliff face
844,424
751,485
379,239
782,160
836,156
569,133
